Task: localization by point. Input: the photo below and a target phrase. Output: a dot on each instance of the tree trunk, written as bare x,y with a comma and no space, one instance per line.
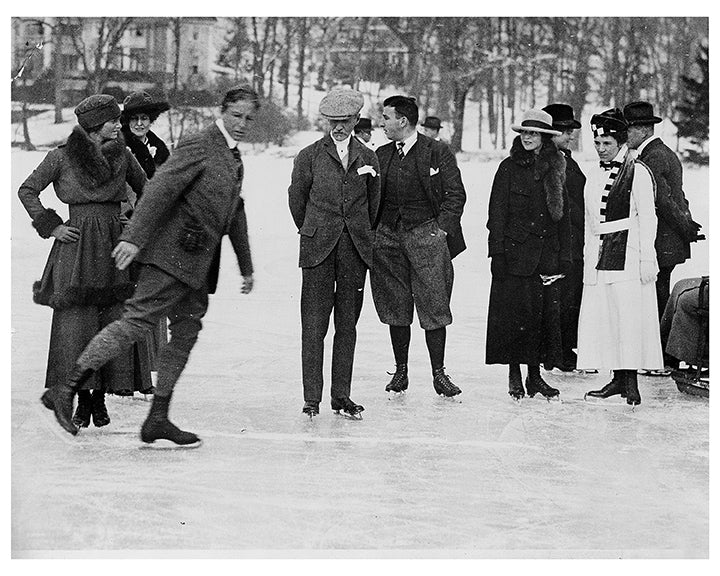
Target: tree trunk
302,43
285,66
460,92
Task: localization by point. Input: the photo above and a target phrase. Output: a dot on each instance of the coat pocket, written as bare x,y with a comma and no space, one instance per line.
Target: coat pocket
192,235
307,230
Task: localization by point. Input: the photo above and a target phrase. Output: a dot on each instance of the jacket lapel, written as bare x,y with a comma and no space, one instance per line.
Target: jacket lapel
422,161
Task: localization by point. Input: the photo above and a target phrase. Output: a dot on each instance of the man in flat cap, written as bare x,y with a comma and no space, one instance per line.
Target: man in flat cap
418,233
334,197
563,120
676,228
175,233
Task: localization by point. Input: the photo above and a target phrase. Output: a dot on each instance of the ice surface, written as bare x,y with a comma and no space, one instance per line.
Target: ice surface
419,476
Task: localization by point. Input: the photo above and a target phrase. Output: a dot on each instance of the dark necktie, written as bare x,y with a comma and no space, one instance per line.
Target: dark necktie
400,150
240,169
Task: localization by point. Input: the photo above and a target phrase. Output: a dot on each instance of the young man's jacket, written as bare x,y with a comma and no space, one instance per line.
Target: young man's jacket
325,199
441,181
191,202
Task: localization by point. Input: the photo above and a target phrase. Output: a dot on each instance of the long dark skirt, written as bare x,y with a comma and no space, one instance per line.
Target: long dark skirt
523,322
72,329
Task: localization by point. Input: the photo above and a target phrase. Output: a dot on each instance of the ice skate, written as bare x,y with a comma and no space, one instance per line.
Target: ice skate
632,394
158,432
535,384
99,411
347,408
612,388
443,385
399,381
59,399
312,409
83,412
515,388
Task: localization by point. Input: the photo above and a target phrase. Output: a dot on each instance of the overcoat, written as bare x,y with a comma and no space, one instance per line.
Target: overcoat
675,229
196,193
324,199
441,181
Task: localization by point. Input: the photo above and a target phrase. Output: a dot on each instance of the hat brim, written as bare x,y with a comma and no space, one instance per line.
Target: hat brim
565,124
519,128
338,117
155,108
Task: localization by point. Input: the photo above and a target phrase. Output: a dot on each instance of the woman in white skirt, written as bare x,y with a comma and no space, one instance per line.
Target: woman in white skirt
618,327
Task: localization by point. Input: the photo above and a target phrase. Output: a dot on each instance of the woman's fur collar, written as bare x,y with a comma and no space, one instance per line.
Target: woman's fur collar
548,166
93,164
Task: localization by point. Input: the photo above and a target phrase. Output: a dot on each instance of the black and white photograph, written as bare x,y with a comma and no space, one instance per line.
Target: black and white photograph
359,287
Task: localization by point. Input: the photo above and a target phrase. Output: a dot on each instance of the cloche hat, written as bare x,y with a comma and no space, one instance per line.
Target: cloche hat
536,121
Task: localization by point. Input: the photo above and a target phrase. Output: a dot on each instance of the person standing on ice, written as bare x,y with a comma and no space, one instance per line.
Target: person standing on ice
334,197
418,233
193,200
618,328
91,173
570,287
529,244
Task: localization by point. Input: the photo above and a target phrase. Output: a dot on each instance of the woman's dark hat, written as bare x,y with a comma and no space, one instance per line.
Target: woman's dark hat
640,112
363,125
432,122
96,110
142,102
562,116
608,123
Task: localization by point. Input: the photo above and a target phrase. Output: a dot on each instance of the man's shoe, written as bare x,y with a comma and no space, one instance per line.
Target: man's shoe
535,384
443,385
346,407
158,427
99,411
399,381
312,409
83,412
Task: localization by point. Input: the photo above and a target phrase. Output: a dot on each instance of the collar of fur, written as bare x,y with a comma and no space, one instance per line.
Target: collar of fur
95,164
548,166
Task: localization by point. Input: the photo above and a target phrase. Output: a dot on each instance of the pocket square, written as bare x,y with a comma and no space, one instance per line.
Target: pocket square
366,170
434,171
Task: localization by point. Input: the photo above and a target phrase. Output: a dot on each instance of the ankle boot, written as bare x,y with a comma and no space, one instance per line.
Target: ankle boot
99,411
443,385
631,387
59,398
534,383
399,381
81,418
515,386
615,386
158,427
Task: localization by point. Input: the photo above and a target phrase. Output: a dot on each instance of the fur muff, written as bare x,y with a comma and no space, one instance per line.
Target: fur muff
46,222
95,164
548,166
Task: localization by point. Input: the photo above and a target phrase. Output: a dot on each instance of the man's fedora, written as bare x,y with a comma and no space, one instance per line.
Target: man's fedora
640,112
562,116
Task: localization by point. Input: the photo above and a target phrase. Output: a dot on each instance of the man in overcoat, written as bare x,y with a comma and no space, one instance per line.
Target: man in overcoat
676,228
418,233
334,197
563,120
175,234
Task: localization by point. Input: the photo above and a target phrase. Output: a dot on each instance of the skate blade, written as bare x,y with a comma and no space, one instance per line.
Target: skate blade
48,419
453,399
349,416
163,444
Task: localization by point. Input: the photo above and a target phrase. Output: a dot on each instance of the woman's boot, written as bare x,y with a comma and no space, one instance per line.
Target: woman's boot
535,383
81,418
612,388
515,386
631,387
99,411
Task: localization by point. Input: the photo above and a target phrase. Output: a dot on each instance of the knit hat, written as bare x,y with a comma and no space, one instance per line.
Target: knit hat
96,110
341,104
608,123
640,112
142,102
536,121
562,116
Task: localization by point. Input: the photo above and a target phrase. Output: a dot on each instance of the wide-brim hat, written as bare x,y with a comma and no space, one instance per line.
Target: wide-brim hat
640,112
562,116
142,102
608,123
432,122
363,125
341,104
96,110
536,121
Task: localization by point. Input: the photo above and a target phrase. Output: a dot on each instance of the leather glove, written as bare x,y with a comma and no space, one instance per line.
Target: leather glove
498,266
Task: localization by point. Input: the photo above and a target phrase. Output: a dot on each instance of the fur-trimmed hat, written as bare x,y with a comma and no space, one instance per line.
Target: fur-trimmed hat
562,116
143,103
608,123
536,121
640,112
96,110
341,104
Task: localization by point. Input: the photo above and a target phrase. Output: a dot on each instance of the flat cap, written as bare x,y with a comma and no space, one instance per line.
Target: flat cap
341,103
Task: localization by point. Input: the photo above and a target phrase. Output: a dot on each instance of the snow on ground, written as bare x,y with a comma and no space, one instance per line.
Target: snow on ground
420,476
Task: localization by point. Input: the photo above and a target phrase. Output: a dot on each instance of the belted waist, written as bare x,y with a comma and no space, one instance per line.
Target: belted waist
106,209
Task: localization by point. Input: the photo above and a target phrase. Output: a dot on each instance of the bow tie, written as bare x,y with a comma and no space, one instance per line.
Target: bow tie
610,164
